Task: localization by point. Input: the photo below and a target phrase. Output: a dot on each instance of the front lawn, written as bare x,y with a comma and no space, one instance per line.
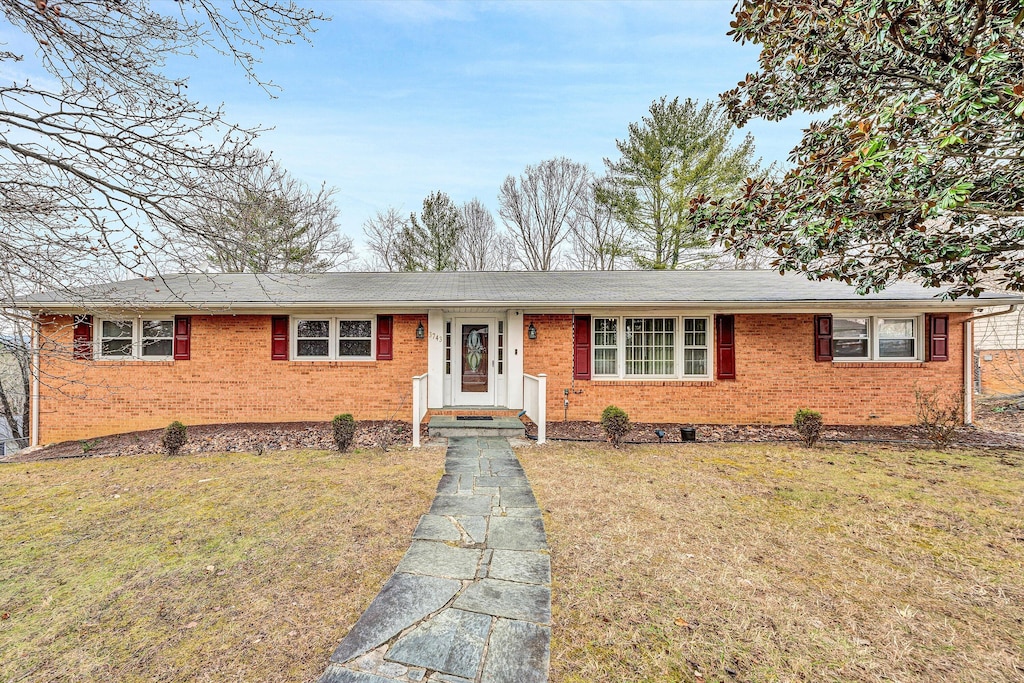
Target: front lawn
200,567
759,562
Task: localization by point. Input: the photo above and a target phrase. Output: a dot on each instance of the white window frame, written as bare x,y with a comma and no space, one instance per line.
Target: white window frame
136,354
874,322
332,339
677,347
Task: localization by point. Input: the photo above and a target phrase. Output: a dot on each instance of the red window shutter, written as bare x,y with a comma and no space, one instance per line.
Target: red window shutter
182,337
82,338
581,347
385,337
725,346
823,337
938,337
279,337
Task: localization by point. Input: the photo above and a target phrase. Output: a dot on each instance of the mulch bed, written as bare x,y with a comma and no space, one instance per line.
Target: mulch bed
228,438
643,432
1000,424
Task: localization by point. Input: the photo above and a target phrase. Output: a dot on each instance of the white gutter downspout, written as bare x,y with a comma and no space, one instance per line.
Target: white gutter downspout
36,332
969,360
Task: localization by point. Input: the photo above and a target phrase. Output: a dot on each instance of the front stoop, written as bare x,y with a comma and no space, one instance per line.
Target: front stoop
471,600
449,426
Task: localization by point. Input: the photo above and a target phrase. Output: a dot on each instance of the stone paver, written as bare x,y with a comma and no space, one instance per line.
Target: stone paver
510,599
451,642
518,653
470,602
522,566
434,558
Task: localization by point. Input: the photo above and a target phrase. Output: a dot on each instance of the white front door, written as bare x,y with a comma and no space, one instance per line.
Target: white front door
473,367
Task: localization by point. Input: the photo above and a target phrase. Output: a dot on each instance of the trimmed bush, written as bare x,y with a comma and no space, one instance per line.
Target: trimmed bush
174,438
615,423
344,427
808,425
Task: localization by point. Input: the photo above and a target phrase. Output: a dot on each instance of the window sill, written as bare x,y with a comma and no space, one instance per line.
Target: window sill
877,364
333,361
653,382
133,361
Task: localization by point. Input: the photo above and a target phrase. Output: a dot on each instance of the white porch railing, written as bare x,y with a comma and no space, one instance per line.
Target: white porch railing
535,400
419,406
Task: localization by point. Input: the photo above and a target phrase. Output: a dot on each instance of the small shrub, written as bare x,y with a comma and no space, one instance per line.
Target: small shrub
939,415
344,427
808,425
615,423
88,445
174,438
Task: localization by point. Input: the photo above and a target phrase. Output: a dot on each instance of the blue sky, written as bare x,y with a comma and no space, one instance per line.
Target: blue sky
397,99
394,100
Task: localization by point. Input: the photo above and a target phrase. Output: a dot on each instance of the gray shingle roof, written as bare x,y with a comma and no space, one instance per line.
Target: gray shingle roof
558,288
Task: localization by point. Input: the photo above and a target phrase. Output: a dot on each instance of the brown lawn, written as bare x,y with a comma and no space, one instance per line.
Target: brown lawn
200,567
759,562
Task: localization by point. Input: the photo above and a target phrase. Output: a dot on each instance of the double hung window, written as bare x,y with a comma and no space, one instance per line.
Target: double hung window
330,338
135,339
875,338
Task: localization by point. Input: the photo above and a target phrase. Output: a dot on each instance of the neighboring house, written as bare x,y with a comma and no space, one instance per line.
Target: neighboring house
999,354
668,346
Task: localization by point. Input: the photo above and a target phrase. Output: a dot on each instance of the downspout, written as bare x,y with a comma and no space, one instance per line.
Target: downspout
969,359
36,332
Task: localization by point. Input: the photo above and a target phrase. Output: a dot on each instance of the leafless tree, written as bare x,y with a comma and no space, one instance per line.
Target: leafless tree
266,221
538,209
598,239
105,157
15,367
479,245
383,233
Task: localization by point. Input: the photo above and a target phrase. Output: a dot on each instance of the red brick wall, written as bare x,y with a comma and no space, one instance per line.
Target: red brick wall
1001,371
230,378
776,374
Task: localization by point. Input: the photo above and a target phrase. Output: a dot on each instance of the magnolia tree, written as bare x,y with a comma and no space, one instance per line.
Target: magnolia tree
916,169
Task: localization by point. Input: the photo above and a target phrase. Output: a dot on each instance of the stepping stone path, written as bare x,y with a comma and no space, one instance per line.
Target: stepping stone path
471,600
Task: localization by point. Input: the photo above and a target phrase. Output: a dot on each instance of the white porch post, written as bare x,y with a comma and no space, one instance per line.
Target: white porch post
542,408
435,358
515,358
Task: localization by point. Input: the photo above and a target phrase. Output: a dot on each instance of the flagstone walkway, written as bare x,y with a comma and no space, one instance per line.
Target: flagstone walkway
471,600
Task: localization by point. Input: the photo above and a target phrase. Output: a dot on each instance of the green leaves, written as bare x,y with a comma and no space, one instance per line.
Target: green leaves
682,150
918,170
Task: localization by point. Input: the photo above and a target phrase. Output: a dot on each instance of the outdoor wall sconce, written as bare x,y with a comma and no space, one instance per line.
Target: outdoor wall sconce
420,332
532,332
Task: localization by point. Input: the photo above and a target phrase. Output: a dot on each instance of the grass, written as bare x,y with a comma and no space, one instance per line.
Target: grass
198,568
757,562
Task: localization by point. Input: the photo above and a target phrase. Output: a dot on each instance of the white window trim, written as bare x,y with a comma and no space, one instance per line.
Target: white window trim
136,354
332,339
677,348
873,338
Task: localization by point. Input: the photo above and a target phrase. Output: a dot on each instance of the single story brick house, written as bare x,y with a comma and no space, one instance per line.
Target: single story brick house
718,347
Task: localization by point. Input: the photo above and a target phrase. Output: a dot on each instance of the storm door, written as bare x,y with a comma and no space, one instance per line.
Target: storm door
474,381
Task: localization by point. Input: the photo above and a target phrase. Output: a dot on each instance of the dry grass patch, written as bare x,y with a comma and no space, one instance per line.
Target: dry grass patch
758,562
198,568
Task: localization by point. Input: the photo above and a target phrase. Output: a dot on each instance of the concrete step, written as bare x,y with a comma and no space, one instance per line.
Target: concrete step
449,425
